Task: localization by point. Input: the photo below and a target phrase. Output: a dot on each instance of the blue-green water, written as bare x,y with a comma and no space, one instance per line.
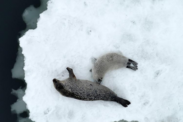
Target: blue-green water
11,24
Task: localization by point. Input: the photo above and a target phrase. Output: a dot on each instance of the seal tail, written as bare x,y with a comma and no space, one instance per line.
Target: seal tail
122,101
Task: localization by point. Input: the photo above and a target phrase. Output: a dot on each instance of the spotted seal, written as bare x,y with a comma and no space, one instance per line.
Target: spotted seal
86,90
108,62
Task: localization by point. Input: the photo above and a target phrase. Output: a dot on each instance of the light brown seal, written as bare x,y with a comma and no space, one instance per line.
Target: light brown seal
110,61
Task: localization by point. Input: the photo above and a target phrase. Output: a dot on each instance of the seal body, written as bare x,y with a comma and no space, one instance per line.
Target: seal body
86,90
108,62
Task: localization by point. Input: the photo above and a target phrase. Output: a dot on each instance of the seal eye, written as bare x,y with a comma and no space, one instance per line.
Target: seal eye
59,86
100,79
55,81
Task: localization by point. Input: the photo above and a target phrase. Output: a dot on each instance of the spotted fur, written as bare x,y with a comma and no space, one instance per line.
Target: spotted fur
86,90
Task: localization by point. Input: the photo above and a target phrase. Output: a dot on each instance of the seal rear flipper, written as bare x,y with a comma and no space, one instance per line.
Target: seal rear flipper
132,64
122,101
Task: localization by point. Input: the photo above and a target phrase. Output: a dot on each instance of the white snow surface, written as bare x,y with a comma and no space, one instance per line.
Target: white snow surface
70,32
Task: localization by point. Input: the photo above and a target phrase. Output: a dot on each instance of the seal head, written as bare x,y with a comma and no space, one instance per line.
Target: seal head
57,85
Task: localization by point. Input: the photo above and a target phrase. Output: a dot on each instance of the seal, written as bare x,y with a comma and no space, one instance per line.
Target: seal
108,62
86,90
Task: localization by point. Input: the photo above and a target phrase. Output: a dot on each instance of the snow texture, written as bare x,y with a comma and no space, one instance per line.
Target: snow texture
71,32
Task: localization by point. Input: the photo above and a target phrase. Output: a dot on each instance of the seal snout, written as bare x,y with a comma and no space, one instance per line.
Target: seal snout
55,80
57,84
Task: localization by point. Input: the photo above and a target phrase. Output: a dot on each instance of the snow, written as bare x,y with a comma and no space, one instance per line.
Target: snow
69,33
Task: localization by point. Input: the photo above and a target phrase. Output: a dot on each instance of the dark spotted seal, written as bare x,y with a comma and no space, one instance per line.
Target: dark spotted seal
108,62
86,90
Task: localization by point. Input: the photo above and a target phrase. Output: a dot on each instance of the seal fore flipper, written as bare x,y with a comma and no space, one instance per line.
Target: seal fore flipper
71,73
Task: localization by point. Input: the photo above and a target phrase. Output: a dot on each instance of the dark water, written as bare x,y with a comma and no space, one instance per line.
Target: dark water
11,24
